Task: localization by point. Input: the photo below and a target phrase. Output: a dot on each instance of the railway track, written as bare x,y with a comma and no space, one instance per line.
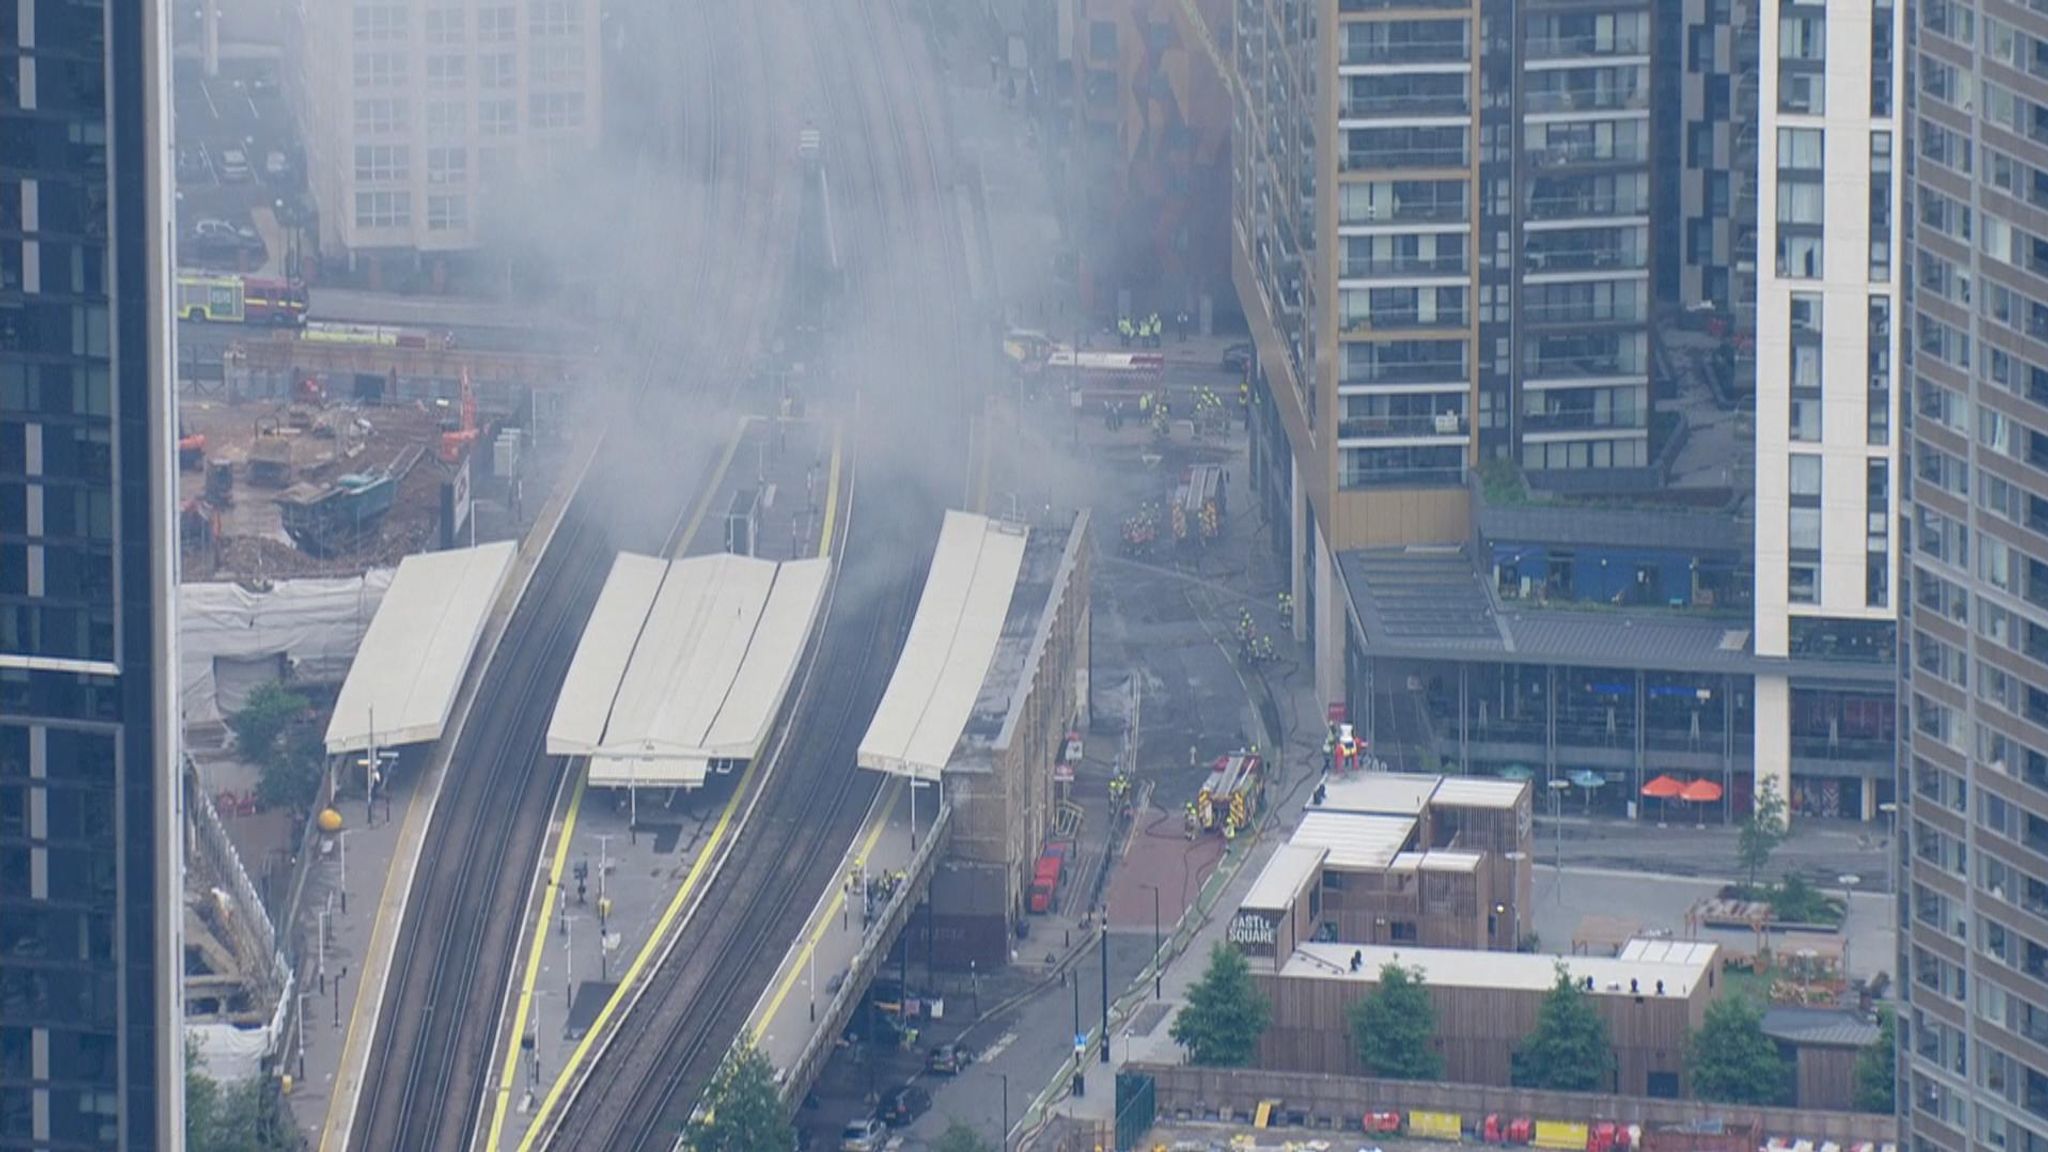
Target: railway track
431,1056
641,1088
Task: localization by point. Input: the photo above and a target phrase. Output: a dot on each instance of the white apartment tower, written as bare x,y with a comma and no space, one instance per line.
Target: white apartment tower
416,111
1830,165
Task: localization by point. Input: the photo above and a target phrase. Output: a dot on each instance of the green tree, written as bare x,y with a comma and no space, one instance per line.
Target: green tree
271,732
743,1109
1733,1062
1394,1025
1877,1067
1569,1050
1224,1017
260,726
239,1117
958,1137
1762,831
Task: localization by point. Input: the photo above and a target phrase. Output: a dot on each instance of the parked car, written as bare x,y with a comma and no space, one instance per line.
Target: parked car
948,1059
1237,357
234,166
191,162
863,1136
276,167
901,1107
221,231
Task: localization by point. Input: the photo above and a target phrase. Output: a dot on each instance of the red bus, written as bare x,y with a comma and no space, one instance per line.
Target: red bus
232,299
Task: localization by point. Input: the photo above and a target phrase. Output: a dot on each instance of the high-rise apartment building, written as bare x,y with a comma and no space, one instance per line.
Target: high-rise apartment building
419,116
91,1044
1974,955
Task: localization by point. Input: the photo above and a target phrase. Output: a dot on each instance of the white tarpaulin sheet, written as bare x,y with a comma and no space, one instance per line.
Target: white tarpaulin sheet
684,663
232,638
402,686
946,655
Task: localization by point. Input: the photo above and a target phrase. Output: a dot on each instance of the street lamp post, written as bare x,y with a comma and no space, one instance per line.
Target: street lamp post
1158,967
1558,788
1005,1141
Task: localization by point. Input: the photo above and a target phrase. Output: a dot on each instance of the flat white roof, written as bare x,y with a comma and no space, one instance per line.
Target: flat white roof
401,686
1378,793
1646,950
1446,860
1290,868
1479,792
1518,971
947,652
684,662
1355,843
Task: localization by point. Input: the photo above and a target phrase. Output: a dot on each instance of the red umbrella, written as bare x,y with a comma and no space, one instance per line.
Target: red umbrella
1702,791
1664,788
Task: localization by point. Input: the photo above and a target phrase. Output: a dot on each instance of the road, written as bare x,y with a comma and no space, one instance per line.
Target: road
721,249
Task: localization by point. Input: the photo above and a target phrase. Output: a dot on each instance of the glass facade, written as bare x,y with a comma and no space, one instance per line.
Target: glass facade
1974,817
89,1006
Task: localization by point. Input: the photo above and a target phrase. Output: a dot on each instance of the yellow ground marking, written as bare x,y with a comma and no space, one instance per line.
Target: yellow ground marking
830,910
705,855
526,983
732,446
831,498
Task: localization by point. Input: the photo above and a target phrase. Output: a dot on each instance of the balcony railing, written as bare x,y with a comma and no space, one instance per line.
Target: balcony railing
1405,107
1576,422
1620,311
1381,159
1558,155
1388,427
1564,47
1395,266
1587,100
1585,207
1582,260
1415,52
1397,321
1348,6
1575,367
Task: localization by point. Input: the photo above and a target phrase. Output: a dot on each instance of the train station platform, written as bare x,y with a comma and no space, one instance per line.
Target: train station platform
401,687
850,932
619,876
947,653
684,665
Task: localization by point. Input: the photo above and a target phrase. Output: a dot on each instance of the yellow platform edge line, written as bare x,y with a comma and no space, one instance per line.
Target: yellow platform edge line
732,447
830,910
533,958
831,497
675,905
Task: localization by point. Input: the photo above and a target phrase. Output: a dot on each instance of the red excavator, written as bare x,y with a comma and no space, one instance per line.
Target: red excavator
454,444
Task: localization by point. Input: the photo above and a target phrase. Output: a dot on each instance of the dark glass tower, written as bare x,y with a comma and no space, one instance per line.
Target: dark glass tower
91,1051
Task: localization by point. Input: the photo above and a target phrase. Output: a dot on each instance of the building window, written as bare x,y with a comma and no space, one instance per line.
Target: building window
444,26
1880,207
1877,574
1804,477
497,70
383,209
381,163
1803,532
380,117
1802,93
1881,57
557,66
1879,357
556,109
446,119
447,72
379,23
496,24
447,166
380,69
1805,420
447,213
497,118
557,18
1802,583
1799,253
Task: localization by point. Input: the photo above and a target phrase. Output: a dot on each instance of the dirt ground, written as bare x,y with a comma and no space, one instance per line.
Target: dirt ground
327,442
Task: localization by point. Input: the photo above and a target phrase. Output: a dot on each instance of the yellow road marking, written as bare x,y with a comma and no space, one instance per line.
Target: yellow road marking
831,909
690,881
831,498
540,939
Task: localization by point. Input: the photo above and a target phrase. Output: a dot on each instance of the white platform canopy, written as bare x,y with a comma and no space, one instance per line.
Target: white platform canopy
684,664
401,687
947,653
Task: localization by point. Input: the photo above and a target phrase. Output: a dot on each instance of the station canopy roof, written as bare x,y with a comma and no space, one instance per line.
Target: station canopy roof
401,686
947,652
684,663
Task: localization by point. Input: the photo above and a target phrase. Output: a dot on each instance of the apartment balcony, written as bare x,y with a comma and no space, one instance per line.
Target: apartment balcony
1584,47
1404,108
1586,100
1352,7
1403,159
1447,427
1573,153
1630,310
1404,321
1537,423
1404,267
1366,54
